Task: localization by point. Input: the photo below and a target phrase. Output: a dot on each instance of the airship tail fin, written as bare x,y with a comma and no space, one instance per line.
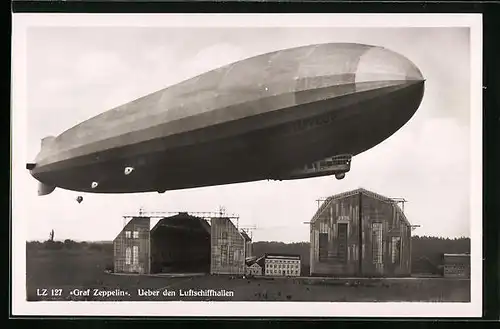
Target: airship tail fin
44,189
46,140
45,147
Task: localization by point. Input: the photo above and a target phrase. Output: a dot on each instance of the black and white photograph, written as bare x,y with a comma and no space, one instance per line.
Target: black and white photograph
247,165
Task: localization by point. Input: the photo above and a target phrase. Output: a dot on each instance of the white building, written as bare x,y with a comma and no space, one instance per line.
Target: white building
282,265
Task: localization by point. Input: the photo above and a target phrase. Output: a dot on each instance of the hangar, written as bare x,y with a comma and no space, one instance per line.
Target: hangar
181,243
360,233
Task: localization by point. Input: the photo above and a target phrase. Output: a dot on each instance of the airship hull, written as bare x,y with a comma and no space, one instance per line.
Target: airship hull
214,133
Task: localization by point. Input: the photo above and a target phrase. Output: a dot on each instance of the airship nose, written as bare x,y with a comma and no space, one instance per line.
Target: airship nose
380,64
396,88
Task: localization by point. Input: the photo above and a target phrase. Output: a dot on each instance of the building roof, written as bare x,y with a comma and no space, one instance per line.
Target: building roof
261,261
253,264
453,259
281,255
370,194
250,260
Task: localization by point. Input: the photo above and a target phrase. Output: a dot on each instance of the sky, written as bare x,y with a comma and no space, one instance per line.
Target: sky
75,73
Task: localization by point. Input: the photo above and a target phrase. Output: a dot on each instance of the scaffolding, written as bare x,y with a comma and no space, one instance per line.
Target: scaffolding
399,201
206,215
200,214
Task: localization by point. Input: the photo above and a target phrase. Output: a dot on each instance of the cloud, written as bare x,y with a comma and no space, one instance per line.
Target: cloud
97,67
212,57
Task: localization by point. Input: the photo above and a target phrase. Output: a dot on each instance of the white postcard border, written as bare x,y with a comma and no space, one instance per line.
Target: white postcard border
20,307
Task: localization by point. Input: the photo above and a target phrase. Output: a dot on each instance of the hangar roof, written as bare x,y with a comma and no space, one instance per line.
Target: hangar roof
370,194
181,219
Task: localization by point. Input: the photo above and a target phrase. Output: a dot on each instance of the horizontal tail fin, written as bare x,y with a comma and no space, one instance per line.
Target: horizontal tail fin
44,189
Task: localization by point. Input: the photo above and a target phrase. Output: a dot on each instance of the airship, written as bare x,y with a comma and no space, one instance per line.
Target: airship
290,114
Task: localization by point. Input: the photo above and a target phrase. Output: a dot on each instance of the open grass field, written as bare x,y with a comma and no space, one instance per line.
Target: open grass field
80,274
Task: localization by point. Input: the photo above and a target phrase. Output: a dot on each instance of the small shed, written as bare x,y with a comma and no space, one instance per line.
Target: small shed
456,265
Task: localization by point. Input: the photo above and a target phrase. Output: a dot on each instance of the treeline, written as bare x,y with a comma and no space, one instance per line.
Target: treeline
427,252
69,244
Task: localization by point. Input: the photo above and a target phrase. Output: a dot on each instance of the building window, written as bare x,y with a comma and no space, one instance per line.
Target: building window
135,255
128,256
136,235
323,246
127,234
224,235
237,255
223,254
377,247
342,239
396,249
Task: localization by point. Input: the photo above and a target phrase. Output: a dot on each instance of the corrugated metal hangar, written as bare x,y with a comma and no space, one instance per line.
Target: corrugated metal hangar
360,233
357,233
181,244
